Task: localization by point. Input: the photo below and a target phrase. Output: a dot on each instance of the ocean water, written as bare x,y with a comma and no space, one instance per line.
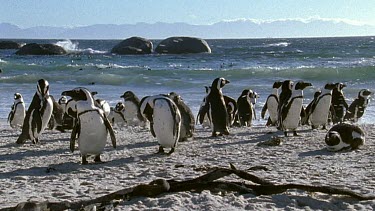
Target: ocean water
248,63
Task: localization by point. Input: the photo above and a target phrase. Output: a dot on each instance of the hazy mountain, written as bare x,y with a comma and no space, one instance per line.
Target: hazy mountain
224,29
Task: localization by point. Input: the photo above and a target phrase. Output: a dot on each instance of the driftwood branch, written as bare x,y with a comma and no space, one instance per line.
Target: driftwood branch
205,182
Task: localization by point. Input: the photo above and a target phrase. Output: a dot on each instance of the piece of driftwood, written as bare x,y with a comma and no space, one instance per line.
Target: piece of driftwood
207,181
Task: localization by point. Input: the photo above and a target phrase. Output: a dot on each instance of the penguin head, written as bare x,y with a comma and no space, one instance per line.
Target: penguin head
175,97
43,88
119,107
300,85
63,100
317,93
246,93
277,84
78,94
339,86
219,83
128,95
333,141
364,93
287,85
329,86
17,96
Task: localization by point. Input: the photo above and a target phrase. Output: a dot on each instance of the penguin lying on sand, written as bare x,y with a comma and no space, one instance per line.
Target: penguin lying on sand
17,114
92,126
358,106
38,114
344,136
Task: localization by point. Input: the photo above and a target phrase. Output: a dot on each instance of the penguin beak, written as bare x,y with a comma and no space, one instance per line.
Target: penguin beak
367,93
227,81
69,93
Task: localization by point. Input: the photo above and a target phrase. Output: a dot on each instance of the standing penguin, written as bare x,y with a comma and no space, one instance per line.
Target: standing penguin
103,104
132,114
272,104
285,94
231,105
253,99
37,115
92,126
305,119
358,106
344,136
187,117
202,116
338,103
318,114
245,108
165,120
290,112
216,109
116,116
17,114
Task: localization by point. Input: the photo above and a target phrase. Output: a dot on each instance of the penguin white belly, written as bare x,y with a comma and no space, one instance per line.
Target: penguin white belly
272,105
131,113
320,114
164,124
19,116
93,134
293,117
46,116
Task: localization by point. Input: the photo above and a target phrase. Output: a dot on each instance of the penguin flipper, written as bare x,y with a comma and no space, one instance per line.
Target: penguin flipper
76,129
264,110
202,113
110,130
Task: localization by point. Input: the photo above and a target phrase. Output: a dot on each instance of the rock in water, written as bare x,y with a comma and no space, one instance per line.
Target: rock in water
41,49
133,45
181,45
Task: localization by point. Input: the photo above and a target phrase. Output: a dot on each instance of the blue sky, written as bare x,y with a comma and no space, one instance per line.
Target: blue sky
71,13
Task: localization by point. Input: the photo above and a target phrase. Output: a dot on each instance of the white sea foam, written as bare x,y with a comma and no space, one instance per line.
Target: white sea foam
278,44
72,47
3,61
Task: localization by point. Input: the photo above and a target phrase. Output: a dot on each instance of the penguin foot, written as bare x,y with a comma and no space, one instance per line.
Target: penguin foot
97,159
226,132
161,150
286,134
213,134
35,141
170,152
84,160
295,133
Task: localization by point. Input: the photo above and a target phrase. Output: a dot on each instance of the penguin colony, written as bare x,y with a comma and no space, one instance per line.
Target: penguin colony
171,121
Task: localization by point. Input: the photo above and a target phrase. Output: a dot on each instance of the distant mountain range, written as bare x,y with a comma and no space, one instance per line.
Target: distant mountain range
220,30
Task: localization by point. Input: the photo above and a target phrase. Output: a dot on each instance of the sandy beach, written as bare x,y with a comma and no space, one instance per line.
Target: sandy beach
48,171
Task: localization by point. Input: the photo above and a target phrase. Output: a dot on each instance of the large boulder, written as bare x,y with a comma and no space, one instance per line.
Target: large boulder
133,45
41,49
9,45
180,45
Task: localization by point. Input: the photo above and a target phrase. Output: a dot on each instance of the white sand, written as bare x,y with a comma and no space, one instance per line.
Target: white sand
49,171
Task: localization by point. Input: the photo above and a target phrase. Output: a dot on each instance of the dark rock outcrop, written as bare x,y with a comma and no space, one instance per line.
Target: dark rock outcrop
9,45
41,49
133,45
181,45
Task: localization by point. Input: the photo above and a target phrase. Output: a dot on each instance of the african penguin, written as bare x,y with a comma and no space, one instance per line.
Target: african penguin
245,108
17,114
358,106
116,116
318,114
285,94
305,119
253,99
132,114
344,136
187,117
290,112
202,116
92,126
272,104
37,115
57,118
165,120
216,108
231,105
338,103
